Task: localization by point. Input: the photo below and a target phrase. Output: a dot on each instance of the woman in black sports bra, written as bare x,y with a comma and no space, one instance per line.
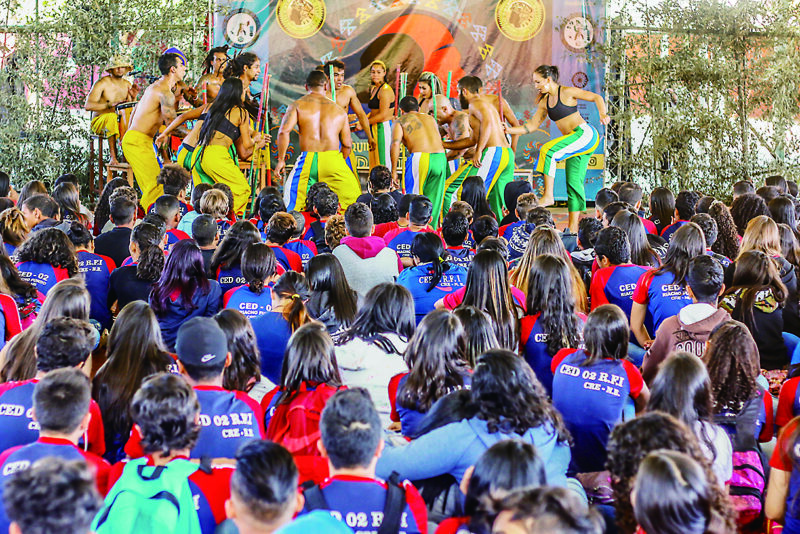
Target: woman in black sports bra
576,144
184,155
227,125
381,102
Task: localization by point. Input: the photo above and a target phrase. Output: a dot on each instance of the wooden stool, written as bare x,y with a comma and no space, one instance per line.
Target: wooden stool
121,168
99,171
260,167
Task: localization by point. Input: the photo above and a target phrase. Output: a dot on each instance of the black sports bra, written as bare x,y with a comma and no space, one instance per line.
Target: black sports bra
226,127
202,117
560,110
375,102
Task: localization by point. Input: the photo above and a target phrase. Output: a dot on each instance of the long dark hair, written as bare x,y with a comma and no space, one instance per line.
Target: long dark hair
436,357
184,273
606,334
135,351
727,242
245,368
662,206
49,246
325,275
206,66
682,388
310,357
782,210
258,264
546,71
102,211
550,295
755,272
387,308
510,398
235,65
66,196
151,256
12,283
745,208
230,250
479,329
790,248
228,99
34,187
428,247
293,286
733,365
473,192
686,243
487,289
641,251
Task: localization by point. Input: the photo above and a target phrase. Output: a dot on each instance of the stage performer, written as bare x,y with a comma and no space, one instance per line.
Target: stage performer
426,164
227,124
493,159
347,98
182,90
453,126
212,77
381,103
246,66
576,144
429,85
103,98
507,116
323,129
156,107
184,156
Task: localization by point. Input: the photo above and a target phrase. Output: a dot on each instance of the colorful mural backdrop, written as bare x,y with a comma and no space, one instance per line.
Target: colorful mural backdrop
501,41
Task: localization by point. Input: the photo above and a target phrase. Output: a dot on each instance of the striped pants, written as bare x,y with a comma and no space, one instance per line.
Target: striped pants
497,169
574,149
312,167
382,134
142,154
425,175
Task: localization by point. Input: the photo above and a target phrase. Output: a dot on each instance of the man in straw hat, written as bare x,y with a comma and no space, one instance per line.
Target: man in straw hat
102,100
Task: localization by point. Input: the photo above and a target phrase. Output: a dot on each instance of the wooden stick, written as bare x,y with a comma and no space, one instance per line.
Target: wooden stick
264,96
396,90
205,94
500,100
333,84
434,106
449,78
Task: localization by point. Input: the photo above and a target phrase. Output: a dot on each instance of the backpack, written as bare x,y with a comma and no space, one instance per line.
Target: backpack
295,425
150,499
392,508
747,486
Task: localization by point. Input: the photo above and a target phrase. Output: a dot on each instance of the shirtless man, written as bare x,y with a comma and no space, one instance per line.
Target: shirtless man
347,98
102,101
156,107
426,164
212,73
493,159
323,129
508,116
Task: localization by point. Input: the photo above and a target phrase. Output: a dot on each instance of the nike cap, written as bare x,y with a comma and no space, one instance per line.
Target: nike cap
201,342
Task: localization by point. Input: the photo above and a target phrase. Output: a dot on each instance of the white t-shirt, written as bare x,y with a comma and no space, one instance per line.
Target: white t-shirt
722,462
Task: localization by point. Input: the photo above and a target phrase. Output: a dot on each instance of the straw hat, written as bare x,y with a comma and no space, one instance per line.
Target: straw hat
119,61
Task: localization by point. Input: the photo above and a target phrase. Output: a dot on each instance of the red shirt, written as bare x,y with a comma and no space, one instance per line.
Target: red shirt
454,299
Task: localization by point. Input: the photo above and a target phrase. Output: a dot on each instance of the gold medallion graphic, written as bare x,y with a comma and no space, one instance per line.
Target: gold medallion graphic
300,18
519,20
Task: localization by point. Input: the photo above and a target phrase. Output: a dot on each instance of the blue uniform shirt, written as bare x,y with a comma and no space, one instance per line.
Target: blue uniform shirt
662,296
247,302
416,280
43,276
96,271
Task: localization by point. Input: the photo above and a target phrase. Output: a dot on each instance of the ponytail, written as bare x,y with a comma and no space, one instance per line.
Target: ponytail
428,247
258,264
151,257
296,314
292,286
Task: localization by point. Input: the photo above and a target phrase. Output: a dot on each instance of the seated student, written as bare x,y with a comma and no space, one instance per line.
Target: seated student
642,252
69,204
228,419
333,302
545,510
517,234
511,195
226,190
244,372
768,193
226,263
188,218
279,229
61,410
325,206
745,208
265,495
662,208
46,258
432,276
382,229
114,244
168,419
168,208
689,330
684,209
791,188
466,210
454,231
215,203
584,256
258,269
419,215
479,331
268,205
483,227
304,248
710,231
511,404
206,233
175,179
384,209
64,488
661,293
20,301
550,322
40,211
603,198
779,182
134,281
631,194
743,187
310,378
96,271
365,258
13,228
378,183
781,500
540,216
335,231
63,343
591,386
437,362
615,281
33,187
183,291
351,442
274,328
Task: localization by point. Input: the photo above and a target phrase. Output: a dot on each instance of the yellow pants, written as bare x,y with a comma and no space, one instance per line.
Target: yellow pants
312,167
142,155
217,163
105,124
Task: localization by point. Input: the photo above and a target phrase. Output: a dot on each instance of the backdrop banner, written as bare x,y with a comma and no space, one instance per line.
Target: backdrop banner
500,41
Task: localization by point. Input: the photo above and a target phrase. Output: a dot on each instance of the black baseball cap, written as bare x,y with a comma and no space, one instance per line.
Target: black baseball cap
201,342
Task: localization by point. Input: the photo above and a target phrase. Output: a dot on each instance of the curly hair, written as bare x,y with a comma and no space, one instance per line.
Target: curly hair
745,208
632,440
509,396
727,242
50,246
13,227
335,231
733,365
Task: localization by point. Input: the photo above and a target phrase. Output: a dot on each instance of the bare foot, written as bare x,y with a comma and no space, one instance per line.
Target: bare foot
546,201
